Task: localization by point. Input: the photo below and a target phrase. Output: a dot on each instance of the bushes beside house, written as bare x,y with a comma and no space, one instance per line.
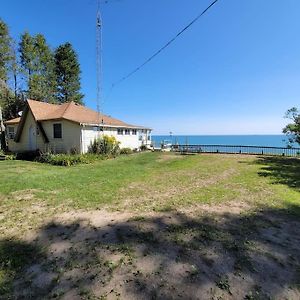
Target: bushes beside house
102,148
6,156
126,151
68,159
105,145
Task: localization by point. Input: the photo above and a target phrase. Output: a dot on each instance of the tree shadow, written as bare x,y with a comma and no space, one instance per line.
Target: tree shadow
167,256
281,170
15,255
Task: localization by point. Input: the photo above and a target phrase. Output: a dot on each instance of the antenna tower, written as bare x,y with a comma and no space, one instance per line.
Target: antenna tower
99,62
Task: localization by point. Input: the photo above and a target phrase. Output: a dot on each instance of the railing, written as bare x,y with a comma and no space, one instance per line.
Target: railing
237,149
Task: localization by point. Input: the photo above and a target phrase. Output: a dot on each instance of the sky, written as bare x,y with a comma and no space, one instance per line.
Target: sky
235,71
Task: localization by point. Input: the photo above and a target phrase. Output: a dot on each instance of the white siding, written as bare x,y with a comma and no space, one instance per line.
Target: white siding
70,137
126,141
74,137
23,144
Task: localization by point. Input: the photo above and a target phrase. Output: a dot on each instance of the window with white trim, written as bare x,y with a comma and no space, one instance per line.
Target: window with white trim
133,131
127,131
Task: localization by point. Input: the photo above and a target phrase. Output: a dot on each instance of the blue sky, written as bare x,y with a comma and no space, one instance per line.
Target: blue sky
236,71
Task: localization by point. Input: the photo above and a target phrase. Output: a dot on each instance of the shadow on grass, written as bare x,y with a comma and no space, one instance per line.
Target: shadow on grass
14,257
168,256
281,170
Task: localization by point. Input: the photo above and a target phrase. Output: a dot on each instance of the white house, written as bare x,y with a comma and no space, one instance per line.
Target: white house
68,127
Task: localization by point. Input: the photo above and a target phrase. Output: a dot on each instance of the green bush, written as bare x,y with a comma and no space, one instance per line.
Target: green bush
67,159
7,156
105,145
143,148
126,151
10,157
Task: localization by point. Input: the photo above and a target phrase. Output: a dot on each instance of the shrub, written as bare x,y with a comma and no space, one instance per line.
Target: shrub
28,155
67,159
126,151
10,157
143,148
105,145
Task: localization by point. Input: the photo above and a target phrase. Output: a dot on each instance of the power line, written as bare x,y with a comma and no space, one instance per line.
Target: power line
164,47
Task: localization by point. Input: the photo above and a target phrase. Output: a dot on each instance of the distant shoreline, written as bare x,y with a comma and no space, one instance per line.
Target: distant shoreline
272,140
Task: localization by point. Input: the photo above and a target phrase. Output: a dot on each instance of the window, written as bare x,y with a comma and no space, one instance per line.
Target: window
11,132
57,131
120,131
133,131
127,132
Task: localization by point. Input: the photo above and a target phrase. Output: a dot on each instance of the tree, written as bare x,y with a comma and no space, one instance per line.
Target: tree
5,51
37,62
292,130
10,102
67,70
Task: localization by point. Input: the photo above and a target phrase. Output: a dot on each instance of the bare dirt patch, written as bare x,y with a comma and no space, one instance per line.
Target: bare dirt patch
210,253
169,156
24,195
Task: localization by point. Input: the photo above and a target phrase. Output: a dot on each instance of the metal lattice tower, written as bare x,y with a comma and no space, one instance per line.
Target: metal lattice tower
99,62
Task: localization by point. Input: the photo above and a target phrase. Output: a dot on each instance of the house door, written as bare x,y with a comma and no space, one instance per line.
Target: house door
32,138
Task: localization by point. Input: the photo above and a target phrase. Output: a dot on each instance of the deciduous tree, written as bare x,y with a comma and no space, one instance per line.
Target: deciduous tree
292,130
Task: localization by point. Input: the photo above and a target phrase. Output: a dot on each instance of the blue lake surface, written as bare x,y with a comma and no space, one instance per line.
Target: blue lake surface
243,140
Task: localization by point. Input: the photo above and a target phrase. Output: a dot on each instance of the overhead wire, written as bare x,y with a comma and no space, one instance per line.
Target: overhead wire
163,47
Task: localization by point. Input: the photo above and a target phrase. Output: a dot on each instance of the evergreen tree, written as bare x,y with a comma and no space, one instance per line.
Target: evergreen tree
37,62
5,51
26,49
10,102
67,71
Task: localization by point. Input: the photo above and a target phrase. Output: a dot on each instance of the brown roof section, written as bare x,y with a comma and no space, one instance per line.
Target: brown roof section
73,112
13,121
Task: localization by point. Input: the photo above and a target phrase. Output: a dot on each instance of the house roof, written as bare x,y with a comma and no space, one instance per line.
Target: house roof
73,112
13,121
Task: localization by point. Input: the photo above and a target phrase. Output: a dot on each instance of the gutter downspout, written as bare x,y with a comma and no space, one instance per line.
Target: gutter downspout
81,138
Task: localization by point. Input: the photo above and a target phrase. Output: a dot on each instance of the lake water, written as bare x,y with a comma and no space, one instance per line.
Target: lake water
243,140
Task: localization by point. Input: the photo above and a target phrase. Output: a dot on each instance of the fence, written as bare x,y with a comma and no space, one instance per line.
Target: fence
237,149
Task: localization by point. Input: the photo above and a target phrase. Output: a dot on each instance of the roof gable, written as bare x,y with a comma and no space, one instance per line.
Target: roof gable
70,111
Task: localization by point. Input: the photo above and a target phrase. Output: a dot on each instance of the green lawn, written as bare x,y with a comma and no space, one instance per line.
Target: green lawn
151,225
154,181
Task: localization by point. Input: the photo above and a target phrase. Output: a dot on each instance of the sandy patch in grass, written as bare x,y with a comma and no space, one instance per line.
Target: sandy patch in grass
169,156
24,194
210,253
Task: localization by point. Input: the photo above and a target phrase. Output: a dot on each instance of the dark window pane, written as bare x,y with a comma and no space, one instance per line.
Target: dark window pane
57,131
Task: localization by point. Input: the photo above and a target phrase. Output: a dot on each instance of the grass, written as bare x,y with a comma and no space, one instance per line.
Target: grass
163,195
150,177
144,182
